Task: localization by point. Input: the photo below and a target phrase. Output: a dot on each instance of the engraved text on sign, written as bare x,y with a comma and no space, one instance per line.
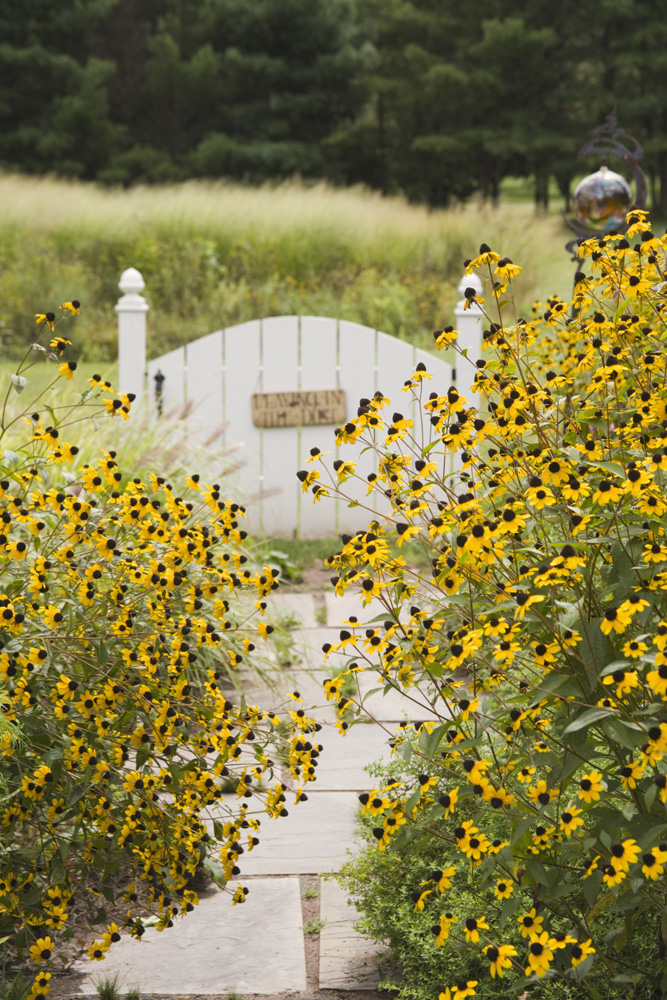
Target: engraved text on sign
293,409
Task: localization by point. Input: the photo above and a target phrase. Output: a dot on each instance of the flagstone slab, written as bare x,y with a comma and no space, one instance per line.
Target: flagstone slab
393,706
300,607
341,764
312,839
340,608
348,960
215,949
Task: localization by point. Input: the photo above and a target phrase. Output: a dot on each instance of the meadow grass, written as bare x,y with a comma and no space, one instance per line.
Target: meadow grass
215,254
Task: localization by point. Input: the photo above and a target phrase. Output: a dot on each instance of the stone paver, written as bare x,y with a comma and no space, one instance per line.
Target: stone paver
340,608
259,947
309,684
342,762
392,706
253,948
308,644
312,839
300,607
347,959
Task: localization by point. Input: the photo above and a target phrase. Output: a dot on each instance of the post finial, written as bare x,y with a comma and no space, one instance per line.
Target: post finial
131,281
471,281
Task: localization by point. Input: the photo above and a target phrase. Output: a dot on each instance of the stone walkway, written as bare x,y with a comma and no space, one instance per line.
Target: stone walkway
260,947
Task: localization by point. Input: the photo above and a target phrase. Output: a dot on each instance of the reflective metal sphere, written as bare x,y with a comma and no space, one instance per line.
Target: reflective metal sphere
602,200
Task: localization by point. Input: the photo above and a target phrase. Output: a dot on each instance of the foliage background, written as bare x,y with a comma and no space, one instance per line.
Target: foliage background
217,254
435,99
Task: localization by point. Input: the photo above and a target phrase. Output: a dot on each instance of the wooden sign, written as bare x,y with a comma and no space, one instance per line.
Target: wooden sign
294,409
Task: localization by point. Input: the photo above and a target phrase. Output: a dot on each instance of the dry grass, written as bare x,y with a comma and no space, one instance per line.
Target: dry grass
243,252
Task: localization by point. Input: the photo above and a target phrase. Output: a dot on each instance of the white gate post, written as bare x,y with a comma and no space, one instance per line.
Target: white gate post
469,325
132,308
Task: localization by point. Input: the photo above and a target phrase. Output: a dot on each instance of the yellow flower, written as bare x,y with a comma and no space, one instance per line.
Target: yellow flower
97,950
653,864
59,344
624,854
540,954
48,318
581,951
448,800
614,621
570,819
530,923
473,926
72,307
67,369
442,929
41,950
503,889
590,786
466,988
500,958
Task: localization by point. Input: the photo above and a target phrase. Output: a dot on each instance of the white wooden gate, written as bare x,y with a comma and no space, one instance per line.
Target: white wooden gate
212,380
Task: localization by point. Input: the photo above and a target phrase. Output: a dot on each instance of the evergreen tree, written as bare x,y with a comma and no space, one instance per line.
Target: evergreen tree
53,91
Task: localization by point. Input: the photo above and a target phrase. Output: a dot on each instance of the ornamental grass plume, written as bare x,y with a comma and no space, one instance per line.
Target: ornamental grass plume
123,603
537,639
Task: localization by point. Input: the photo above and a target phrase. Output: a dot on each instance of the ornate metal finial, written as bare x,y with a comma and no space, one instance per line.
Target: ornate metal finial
159,379
603,198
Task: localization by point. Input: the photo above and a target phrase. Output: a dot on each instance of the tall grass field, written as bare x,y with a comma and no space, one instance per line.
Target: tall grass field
215,254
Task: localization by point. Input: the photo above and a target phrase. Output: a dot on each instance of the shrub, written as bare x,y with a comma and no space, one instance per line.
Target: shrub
536,641
124,603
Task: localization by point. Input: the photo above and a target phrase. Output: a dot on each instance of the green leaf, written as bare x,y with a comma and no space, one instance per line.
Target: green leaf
650,795
216,871
585,967
587,718
429,742
590,889
625,733
510,906
521,828
102,654
537,871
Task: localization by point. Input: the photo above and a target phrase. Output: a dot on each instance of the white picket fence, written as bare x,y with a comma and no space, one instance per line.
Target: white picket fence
210,382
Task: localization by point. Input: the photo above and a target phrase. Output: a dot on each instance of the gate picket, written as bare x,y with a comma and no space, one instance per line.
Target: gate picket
243,445
204,387
217,376
318,370
280,453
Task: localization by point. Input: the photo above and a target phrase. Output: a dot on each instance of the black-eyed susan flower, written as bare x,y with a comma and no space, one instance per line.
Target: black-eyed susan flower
540,954
67,369
47,318
500,958
503,889
60,344
624,854
590,787
72,308
615,621
570,819
631,773
442,929
529,923
42,949
448,800
653,864
463,989
580,952
473,925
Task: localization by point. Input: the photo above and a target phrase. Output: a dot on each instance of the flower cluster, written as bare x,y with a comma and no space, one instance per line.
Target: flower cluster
125,607
535,646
